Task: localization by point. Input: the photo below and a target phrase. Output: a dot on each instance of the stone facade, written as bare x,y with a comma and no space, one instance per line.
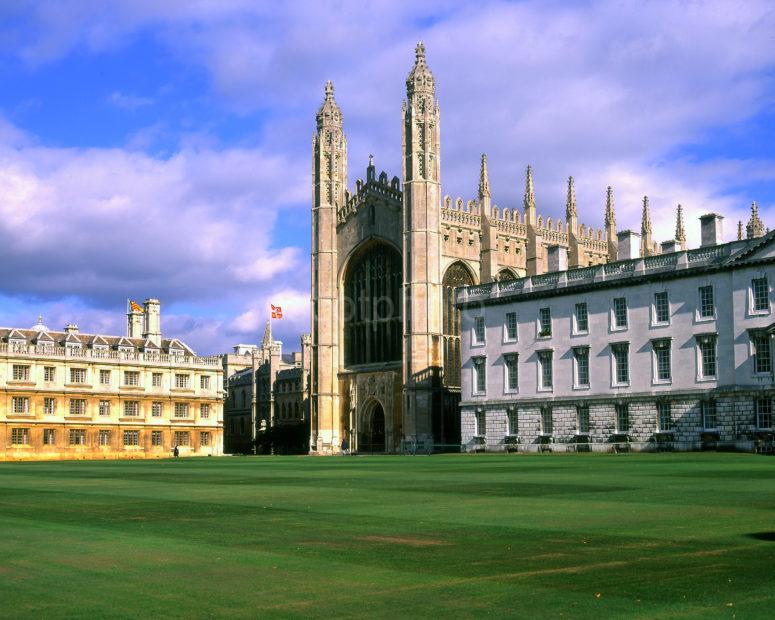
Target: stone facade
271,389
674,349
386,258
68,395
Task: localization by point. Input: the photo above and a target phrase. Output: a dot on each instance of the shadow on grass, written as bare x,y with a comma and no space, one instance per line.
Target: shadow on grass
768,536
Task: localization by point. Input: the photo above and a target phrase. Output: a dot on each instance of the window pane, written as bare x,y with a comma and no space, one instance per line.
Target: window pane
761,294
582,318
661,307
706,301
620,312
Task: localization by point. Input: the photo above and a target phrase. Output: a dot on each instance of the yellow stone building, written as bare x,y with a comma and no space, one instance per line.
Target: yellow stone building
68,395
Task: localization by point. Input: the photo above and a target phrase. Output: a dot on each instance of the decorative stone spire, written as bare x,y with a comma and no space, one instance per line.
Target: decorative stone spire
484,179
739,230
267,341
420,80
680,232
570,201
755,227
610,213
646,247
610,225
329,113
530,195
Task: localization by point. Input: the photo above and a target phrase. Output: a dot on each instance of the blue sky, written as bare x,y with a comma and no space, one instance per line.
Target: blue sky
163,149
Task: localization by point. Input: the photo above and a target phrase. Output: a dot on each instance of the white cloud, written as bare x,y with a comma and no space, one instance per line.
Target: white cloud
129,102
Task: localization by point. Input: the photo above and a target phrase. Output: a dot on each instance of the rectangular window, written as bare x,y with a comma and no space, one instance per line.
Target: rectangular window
708,410
480,377
77,437
547,427
479,331
622,418
48,437
513,420
707,305
21,373
182,381
707,346
481,424
181,410
156,379
204,439
763,413
664,416
662,356
621,363
77,375
182,438
156,410
545,377
77,406
49,406
512,373
582,419
131,408
204,383
131,438
581,360
104,377
661,307
104,438
545,322
49,374
204,411
582,318
20,404
20,436
104,407
762,360
131,378
760,292
155,438
511,326
620,312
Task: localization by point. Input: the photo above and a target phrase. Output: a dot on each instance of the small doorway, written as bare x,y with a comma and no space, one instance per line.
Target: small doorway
372,437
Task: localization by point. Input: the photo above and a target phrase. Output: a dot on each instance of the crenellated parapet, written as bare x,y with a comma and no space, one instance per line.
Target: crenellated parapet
374,189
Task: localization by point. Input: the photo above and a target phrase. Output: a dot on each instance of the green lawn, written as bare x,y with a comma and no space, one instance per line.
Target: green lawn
660,535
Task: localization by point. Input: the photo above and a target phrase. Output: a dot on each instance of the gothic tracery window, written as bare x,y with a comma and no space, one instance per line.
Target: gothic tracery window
456,275
372,307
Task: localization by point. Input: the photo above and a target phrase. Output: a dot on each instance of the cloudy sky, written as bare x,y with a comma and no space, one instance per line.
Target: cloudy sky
163,148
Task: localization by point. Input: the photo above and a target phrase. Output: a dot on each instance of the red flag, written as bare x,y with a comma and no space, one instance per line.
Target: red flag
277,312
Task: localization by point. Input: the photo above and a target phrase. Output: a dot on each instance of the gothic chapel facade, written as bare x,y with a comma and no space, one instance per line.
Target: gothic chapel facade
386,259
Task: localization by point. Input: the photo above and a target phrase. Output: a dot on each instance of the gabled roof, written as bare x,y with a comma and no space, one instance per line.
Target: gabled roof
42,337
123,342
99,341
15,334
71,339
757,248
150,344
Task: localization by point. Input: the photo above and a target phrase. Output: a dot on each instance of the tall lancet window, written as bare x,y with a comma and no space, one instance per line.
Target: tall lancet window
372,307
456,275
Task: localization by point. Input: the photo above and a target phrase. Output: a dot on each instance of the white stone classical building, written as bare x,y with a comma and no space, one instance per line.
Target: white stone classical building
669,350
70,395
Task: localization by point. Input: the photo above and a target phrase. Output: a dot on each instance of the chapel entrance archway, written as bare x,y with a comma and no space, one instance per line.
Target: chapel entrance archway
371,438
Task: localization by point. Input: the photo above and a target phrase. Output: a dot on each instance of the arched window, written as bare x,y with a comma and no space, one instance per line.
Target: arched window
372,307
456,275
506,274
244,399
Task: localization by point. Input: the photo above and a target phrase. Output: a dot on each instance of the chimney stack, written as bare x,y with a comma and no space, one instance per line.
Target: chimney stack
556,258
152,313
668,247
711,229
629,245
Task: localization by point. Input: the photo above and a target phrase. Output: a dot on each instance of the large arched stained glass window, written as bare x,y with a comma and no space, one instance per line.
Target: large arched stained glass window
372,307
457,275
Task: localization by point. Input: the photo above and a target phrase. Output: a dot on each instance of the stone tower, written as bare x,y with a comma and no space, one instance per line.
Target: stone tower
421,247
329,182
